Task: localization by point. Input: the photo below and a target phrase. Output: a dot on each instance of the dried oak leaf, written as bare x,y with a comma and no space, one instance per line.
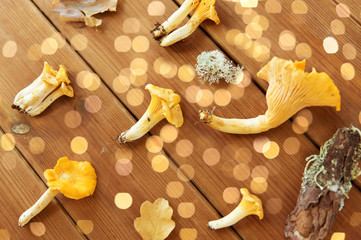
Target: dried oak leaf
155,221
83,10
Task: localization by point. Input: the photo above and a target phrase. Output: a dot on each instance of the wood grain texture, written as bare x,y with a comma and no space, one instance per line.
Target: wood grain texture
99,129
286,170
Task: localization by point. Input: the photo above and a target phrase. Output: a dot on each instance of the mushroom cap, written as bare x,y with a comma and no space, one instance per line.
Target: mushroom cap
73,179
206,10
251,203
49,74
167,102
292,89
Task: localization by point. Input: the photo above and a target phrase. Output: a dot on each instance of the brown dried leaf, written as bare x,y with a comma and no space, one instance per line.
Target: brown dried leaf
155,221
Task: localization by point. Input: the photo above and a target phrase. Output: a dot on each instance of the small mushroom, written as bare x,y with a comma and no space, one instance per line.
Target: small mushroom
205,10
249,205
73,179
164,104
48,87
290,90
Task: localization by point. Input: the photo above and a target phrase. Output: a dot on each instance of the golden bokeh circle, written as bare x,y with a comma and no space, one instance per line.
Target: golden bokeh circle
175,189
303,51
291,145
211,156
93,104
241,172
168,69
222,97
49,46
72,119
37,228
330,45
273,6
123,200
123,167
186,209
270,150
244,154
34,52
343,10
184,148
248,15
236,91
347,71
262,21
337,27
338,236
231,35
259,142
253,30
59,38
154,144
122,43
188,234
79,42
231,195
204,97
139,66
140,44
168,133
287,40
299,7
122,153
7,142
186,73
259,185
131,25
355,219
160,163
185,172
156,8
79,145
191,93
9,49
135,97
121,84
86,226
36,145
349,51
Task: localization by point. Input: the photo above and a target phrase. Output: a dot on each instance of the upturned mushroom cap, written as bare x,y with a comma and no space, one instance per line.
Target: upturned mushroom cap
73,179
292,89
251,204
206,10
166,102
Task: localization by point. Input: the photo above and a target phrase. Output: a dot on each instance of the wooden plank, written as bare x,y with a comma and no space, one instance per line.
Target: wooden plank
285,170
349,8
20,188
103,220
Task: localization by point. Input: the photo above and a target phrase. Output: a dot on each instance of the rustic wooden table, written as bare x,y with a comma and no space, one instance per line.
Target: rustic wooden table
201,170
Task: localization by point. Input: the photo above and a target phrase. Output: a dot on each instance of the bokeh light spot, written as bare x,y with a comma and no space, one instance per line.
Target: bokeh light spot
175,189
79,145
337,27
236,91
160,163
300,125
9,49
260,171
121,84
8,161
168,69
156,8
49,46
154,144
79,42
59,39
241,172
93,104
259,185
259,142
7,142
185,172
271,150
188,234
303,51
123,153
123,200
287,40
231,195
168,133
291,145
349,51
330,45
184,148
37,228
140,44
36,145
123,167
244,154
131,25
299,7
253,30
204,97
186,73
72,119
138,66
122,43
274,205
248,15
231,35
211,156
273,6
86,226
222,97
347,71
191,93
34,52
355,219
343,10
186,209
135,97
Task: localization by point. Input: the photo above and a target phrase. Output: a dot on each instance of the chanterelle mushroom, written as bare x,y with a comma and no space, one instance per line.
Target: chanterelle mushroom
205,10
83,10
73,179
164,104
290,90
249,205
44,90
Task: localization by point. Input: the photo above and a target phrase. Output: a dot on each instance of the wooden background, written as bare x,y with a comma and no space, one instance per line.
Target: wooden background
206,167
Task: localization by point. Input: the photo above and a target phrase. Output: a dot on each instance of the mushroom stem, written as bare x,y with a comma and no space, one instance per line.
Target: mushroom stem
140,128
234,125
43,201
175,19
233,217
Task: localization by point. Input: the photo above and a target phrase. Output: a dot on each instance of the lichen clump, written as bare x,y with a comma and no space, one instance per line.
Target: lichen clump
212,67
